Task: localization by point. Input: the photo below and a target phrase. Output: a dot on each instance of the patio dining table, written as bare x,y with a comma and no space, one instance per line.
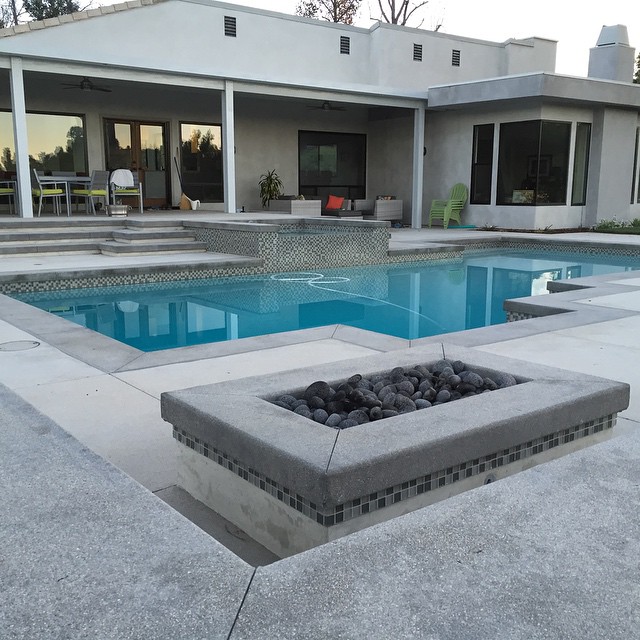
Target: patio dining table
66,181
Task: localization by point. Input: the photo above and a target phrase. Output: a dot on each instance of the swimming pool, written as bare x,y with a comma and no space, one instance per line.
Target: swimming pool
410,300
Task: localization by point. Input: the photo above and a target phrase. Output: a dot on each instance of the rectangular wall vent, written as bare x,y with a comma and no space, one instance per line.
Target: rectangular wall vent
345,45
417,52
455,58
230,26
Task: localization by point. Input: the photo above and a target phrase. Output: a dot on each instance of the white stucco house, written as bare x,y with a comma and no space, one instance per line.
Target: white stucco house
212,95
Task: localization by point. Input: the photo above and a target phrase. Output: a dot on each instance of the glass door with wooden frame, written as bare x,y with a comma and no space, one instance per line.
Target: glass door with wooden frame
141,147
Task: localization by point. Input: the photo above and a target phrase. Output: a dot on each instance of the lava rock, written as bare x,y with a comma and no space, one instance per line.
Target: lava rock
458,366
390,413
345,424
440,366
334,420
303,410
320,389
490,384
320,415
359,415
504,380
406,387
316,403
422,404
473,378
287,399
299,403
443,396
405,404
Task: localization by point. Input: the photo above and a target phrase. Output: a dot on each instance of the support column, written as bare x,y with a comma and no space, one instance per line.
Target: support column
19,116
418,168
228,148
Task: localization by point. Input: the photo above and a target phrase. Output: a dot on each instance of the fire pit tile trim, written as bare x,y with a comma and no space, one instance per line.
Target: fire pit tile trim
400,492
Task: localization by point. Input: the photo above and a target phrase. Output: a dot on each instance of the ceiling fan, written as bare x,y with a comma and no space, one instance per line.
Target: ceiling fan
86,85
327,106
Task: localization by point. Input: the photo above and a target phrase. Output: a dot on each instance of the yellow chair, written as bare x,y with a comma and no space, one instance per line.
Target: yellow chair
8,188
450,209
98,188
51,190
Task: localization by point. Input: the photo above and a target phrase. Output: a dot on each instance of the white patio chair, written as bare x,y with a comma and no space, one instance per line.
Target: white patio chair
125,183
51,190
97,189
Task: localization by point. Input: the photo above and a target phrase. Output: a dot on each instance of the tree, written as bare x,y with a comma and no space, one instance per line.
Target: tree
42,9
10,13
13,12
636,75
332,10
400,11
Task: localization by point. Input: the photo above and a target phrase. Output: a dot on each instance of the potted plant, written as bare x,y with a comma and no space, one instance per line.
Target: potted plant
270,187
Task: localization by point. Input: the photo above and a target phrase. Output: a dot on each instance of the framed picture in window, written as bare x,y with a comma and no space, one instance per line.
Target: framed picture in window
541,169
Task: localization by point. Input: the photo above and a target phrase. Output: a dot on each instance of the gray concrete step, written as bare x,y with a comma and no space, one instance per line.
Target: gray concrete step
157,234
115,248
61,222
137,223
39,248
54,234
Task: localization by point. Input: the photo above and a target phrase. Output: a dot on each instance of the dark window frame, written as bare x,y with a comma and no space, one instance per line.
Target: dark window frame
456,57
417,52
475,164
353,190
186,171
539,165
580,200
345,45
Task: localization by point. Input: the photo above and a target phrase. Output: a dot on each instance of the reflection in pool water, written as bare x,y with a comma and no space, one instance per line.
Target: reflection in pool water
405,300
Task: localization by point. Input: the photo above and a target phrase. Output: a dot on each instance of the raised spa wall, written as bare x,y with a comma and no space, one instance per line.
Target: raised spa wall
285,244
293,484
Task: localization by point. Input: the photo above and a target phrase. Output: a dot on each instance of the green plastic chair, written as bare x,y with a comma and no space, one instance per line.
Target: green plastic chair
450,209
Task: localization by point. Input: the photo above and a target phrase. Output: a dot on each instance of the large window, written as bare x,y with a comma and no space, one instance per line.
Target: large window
482,164
581,164
56,142
533,162
201,161
332,163
634,177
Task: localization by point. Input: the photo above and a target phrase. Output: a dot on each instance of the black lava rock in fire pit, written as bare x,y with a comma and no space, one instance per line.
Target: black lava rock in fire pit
359,399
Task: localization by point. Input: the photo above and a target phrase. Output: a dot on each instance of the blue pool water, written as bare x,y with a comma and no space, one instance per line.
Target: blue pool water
405,300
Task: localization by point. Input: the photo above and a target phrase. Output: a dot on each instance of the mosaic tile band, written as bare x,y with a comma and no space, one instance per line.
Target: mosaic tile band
397,493
310,257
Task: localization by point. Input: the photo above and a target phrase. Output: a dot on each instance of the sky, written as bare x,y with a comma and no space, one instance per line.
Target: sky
575,24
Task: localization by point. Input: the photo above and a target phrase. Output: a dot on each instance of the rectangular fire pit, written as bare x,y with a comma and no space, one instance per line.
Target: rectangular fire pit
293,484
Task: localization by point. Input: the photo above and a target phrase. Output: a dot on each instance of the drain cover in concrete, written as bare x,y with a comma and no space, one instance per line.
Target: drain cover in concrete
19,345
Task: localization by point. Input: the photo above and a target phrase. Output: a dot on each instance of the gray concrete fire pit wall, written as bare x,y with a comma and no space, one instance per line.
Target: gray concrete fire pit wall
293,484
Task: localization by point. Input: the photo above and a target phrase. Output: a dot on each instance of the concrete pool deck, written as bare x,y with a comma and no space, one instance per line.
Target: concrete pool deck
371,583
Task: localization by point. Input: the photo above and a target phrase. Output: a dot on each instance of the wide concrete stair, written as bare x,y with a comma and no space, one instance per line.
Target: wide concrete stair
109,236
55,236
143,237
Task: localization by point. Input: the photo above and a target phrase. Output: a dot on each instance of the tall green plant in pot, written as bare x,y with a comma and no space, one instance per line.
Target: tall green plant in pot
270,187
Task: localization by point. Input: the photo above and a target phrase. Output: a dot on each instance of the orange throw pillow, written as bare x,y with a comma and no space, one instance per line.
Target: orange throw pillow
334,202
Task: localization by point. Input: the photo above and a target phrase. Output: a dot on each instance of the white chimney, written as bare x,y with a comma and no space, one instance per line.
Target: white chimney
612,58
